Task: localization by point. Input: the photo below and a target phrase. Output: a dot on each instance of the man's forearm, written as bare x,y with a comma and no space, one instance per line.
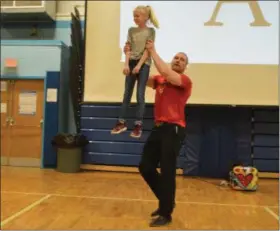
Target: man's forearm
170,75
161,66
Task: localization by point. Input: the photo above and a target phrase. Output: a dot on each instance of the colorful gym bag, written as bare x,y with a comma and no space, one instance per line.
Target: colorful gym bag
244,178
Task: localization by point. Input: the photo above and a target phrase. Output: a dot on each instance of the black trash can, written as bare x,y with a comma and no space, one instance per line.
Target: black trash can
69,152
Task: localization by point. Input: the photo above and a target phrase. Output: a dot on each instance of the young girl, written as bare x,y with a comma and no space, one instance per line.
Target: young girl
137,67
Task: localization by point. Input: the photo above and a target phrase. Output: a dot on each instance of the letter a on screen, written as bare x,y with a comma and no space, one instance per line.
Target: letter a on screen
256,11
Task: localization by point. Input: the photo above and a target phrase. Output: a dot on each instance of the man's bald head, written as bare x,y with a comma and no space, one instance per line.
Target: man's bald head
180,62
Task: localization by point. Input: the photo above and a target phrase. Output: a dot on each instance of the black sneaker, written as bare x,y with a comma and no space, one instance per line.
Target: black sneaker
161,221
156,212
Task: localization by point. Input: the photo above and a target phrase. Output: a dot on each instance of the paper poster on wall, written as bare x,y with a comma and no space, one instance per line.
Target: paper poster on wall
27,102
3,86
52,95
3,108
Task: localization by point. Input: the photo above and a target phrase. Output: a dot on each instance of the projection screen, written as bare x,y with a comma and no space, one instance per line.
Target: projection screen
232,48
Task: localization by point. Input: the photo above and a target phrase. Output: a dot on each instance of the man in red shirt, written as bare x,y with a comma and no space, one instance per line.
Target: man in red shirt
173,89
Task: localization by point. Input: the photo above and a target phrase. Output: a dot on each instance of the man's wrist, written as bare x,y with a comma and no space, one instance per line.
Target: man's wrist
152,52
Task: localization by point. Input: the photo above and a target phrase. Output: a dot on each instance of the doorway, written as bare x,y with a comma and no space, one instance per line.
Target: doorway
22,107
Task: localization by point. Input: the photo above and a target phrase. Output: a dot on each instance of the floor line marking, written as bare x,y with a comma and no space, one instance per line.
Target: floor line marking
24,210
149,200
144,200
272,213
26,193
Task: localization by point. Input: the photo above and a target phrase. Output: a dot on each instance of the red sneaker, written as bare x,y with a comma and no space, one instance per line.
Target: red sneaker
137,131
119,128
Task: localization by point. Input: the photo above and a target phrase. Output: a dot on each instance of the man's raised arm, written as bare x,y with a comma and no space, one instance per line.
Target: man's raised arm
170,75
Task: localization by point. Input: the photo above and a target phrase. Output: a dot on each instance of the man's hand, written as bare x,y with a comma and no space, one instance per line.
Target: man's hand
150,46
127,47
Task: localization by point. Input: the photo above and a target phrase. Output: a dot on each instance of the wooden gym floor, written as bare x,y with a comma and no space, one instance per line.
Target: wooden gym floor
45,199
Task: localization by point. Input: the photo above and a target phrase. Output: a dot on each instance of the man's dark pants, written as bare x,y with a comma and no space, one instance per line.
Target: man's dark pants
162,148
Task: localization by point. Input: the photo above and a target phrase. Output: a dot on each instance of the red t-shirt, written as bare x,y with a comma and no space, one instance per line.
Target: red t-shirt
170,100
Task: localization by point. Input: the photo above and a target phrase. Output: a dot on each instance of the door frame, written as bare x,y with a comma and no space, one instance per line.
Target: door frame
45,141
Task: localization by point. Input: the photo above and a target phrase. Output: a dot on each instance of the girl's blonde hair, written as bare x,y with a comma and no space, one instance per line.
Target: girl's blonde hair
150,13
